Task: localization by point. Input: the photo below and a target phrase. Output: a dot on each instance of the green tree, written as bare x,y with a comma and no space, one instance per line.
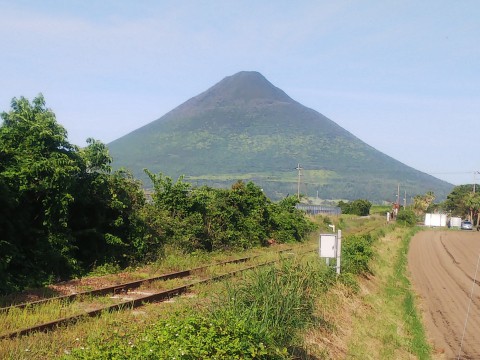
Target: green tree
472,202
422,202
96,156
358,207
62,211
462,202
38,167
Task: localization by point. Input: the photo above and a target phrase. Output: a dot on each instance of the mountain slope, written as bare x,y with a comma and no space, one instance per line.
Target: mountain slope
245,128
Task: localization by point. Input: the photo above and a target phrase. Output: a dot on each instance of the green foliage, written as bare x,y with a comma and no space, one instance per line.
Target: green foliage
356,253
399,286
407,217
350,281
463,202
192,337
455,202
214,219
279,301
96,156
259,318
62,211
358,207
37,169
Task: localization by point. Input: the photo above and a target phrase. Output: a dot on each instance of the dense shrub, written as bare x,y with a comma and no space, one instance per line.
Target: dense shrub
192,337
406,217
62,210
358,207
356,253
215,219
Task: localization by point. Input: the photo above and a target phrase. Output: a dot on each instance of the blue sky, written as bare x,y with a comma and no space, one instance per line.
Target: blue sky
403,76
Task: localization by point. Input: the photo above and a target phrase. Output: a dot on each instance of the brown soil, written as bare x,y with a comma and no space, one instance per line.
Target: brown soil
443,266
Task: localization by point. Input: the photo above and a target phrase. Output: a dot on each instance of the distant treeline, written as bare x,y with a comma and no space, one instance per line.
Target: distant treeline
64,212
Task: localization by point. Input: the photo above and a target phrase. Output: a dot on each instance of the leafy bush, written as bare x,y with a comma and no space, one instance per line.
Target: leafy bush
349,280
358,207
406,217
216,219
62,210
356,253
193,337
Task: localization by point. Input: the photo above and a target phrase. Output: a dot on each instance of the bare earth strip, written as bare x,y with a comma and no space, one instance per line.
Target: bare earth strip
443,266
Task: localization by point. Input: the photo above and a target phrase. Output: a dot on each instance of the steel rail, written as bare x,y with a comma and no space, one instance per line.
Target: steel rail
134,303
114,289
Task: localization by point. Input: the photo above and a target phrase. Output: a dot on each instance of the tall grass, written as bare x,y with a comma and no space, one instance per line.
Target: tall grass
258,318
279,301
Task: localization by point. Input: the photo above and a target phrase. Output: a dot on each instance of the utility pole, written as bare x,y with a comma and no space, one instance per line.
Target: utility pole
405,200
398,196
299,168
475,172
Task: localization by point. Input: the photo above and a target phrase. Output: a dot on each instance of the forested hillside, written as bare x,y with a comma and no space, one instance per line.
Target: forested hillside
246,128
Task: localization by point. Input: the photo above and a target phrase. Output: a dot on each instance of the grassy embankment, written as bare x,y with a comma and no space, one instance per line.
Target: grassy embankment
295,308
381,321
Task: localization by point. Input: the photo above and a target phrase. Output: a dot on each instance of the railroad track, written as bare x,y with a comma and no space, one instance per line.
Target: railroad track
123,296
124,287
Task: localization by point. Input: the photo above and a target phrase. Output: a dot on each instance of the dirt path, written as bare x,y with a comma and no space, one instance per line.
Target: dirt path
442,265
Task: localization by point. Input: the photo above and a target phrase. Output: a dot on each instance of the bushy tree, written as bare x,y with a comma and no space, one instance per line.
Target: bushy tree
37,171
407,217
421,203
358,207
463,202
63,211
215,219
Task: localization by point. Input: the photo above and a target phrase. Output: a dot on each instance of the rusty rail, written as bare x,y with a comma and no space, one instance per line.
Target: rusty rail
134,303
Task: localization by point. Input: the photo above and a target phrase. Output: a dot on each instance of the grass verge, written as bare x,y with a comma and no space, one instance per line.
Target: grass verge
390,326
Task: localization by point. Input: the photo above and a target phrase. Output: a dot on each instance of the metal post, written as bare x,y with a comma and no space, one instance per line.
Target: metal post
339,250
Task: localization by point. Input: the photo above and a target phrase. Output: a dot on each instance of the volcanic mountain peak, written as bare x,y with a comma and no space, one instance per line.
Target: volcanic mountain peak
245,128
244,86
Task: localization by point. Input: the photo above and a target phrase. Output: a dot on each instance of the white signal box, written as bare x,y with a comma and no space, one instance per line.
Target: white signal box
330,246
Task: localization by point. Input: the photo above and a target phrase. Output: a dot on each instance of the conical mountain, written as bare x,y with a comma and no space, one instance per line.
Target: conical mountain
246,128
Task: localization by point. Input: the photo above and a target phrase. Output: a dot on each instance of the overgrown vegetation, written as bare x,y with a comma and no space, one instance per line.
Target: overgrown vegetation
390,305
412,318
63,212
406,217
262,317
259,318
360,207
214,219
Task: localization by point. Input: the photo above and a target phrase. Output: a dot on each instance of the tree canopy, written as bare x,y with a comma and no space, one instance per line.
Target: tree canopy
62,211
360,207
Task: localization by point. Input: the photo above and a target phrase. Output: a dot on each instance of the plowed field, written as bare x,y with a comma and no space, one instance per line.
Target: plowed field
443,268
